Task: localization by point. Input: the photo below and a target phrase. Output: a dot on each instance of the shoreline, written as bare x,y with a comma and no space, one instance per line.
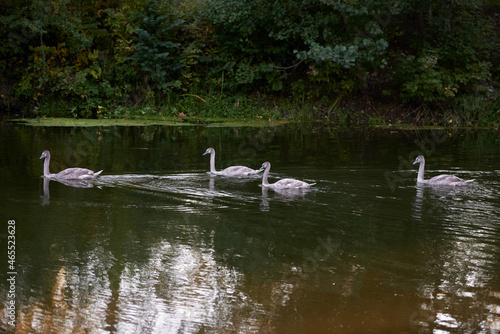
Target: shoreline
227,122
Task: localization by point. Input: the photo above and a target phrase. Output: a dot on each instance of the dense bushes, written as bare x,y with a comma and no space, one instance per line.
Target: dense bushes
95,61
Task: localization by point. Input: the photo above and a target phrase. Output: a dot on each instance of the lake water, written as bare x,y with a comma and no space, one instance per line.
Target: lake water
157,245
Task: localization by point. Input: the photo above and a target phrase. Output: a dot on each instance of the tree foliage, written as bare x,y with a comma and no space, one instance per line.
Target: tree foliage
110,54
155,54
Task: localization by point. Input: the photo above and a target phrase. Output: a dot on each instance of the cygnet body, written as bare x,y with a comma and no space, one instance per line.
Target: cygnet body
67,174
229,171
440,180
283,183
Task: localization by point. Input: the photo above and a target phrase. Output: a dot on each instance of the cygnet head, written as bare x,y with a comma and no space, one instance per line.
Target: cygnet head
265,165
44,154
419,159
209,150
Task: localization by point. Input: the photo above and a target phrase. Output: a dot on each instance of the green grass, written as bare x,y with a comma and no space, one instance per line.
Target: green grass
170,121
190,109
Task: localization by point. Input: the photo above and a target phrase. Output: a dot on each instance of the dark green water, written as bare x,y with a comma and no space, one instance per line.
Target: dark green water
159,246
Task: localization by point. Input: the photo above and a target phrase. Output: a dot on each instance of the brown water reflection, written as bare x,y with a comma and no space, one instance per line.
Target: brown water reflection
159,246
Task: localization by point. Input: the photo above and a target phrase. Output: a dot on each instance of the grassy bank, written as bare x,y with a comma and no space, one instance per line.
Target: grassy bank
263,111
147,121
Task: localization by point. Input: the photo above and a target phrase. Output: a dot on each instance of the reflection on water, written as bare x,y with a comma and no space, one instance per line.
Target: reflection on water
469,216
69,183
158,245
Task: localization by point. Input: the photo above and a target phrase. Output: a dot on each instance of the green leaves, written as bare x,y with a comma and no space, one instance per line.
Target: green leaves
137,51
156,55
